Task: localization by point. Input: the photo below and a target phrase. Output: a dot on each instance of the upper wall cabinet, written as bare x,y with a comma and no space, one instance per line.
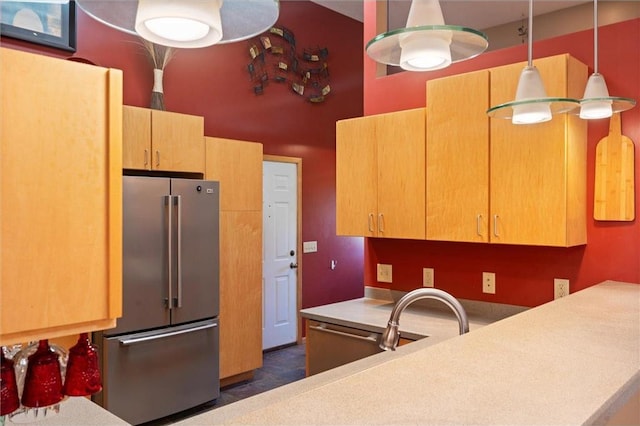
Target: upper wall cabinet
491,181
61,197
538,189
458,158
162,140
380,175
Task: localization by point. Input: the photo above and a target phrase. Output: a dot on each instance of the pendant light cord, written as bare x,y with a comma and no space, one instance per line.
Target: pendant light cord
595,36
530,48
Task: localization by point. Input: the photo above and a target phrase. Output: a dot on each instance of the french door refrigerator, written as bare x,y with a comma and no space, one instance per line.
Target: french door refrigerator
163,356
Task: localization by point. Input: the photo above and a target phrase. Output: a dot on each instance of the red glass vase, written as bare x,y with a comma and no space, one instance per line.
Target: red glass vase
83,373
9,401
43,382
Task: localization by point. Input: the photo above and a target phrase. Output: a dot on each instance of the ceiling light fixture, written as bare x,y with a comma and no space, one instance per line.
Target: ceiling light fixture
531,104
186,23
426,44
596,102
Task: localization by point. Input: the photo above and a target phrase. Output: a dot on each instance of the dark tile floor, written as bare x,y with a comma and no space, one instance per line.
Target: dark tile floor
279,367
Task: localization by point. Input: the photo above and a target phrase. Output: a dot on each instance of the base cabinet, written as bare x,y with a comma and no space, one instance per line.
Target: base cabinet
61,197
237,165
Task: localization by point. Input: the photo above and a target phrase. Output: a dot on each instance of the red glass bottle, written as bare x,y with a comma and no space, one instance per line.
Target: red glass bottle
83,373
43,382
9,401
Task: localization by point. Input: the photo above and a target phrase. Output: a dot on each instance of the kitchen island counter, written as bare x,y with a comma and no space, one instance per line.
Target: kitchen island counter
575,360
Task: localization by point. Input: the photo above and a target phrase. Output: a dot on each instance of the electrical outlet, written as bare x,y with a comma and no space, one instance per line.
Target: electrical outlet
384,273
427,277
560,288
489,282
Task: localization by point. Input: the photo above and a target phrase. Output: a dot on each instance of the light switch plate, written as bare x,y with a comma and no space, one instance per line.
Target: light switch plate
428,277
309,246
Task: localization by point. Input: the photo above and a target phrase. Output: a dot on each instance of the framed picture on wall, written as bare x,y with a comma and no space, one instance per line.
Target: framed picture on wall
47,22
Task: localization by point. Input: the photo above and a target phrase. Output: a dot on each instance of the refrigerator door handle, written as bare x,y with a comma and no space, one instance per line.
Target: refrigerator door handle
169,205
134,340
179,254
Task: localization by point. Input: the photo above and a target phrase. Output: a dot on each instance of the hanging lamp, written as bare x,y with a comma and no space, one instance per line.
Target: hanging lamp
426,44
596,102
186,23
532,105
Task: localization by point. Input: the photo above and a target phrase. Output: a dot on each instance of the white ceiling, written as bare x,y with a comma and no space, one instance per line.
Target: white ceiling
478,14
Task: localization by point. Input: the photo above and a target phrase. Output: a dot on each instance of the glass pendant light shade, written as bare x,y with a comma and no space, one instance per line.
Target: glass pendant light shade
188,23
596,102
237,19
532,104
426,44
530,87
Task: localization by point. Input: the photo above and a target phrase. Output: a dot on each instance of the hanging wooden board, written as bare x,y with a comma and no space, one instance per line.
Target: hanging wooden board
614,197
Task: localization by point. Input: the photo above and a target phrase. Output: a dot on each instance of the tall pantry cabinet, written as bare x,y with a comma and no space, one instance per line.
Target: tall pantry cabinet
237,165
60,197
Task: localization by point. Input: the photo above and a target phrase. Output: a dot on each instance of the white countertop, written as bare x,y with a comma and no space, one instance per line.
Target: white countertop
575,360
74,411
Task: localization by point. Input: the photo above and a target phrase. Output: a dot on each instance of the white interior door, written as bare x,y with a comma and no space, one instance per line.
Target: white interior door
280,273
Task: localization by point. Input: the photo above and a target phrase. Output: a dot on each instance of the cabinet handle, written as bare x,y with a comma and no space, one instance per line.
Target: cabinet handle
146,157
381,222
157,158
495,225
479,225
370,219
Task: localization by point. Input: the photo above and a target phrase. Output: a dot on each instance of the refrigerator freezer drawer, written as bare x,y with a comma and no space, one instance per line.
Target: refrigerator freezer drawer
158,373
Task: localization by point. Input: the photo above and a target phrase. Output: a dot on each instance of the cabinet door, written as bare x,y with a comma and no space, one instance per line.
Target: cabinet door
238,166
458,158
136,137
400,140
538,182
61,197
356,177
240,292
177,142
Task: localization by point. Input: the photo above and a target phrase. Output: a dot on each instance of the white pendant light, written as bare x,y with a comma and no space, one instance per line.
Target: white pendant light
596,102
426,44
186,23
532,105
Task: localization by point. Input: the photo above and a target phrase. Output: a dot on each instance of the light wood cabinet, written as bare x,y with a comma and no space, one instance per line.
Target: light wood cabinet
489,180
61,197
380,175
538,172
457,190
237,165
162,140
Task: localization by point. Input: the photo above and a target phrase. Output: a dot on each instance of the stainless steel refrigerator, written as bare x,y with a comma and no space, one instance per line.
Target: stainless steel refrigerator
163,356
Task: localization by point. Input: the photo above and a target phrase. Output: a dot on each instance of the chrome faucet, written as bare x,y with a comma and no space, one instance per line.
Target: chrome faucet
391,335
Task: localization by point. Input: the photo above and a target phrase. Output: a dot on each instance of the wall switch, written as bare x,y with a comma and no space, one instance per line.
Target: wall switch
560,288
427,277
309,246
384,273
489,282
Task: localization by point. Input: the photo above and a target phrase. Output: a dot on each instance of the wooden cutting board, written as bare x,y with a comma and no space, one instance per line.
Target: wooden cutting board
614,197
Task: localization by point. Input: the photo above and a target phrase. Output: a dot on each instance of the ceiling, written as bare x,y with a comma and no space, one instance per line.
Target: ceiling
478,14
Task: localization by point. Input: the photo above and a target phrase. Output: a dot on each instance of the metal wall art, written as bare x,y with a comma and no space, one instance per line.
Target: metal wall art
274,58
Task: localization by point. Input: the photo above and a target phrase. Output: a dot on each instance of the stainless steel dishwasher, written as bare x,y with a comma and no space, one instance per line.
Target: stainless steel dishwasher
331,345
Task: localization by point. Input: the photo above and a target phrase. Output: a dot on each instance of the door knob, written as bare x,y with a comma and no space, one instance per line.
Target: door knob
293,265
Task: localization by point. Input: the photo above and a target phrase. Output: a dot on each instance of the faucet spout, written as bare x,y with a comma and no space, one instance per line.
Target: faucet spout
391,335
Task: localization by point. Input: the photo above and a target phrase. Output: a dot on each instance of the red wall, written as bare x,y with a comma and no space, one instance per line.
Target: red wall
524,275
213,82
